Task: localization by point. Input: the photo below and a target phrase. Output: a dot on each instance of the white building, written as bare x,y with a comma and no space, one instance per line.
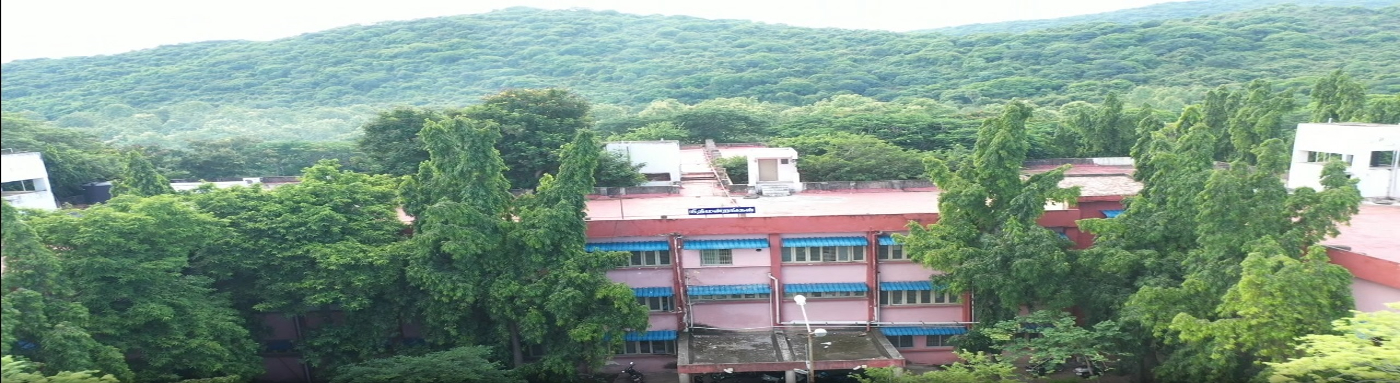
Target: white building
1370,150
660,160
26,181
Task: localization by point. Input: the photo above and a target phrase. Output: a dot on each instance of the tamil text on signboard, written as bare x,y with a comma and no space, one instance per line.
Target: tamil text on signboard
721,210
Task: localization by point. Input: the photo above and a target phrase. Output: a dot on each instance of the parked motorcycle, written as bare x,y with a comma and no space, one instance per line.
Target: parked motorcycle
632,374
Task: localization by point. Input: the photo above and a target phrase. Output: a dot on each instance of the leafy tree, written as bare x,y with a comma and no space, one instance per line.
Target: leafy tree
128,259
656,131
1049,338
391,143
1338,98
615,169
736,167
1360,348
140,178
20,371
43,323
332,240
970,368
534,123
548,291
1384,110
460,364
72,158
1105,131
987,240
851,157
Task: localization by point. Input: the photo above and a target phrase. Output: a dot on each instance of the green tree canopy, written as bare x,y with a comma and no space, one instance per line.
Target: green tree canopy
140,178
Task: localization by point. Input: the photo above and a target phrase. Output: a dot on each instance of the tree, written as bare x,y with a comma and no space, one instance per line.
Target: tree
1050,337
1360,348
616,170
461,364
128,261
1384,110
140,178
72,158
19,371
329,248
1338,98
513,272
851,157
1105,131
391,142
533,124
43,322
656,131
970,368
986,240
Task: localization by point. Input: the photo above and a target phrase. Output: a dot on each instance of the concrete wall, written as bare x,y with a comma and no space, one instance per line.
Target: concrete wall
1354,140
824,272
1371,296
928,355
828,310
655,157
931,313
734,314
895,271
658,276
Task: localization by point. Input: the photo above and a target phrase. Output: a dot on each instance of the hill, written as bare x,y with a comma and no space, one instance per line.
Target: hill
1155,12
321,86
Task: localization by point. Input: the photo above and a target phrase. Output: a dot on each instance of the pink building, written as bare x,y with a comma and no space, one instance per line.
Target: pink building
712,275
1370,247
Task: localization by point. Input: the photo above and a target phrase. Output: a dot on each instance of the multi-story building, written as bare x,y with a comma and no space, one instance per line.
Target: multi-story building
720,272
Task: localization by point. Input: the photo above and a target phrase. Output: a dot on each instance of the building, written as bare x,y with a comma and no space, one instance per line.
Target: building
720,272
1369,247
1370,151
26,181
660,160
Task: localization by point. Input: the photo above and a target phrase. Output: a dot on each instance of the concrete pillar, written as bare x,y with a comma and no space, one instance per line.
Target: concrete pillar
790,376
684,377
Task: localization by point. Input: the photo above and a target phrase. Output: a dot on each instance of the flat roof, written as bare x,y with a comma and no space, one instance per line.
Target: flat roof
1374,231
770,350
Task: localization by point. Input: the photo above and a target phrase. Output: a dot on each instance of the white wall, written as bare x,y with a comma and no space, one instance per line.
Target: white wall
1355,140
656,157
787,173
28,166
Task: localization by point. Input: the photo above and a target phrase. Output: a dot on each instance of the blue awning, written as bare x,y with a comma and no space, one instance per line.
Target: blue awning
1112,213
910,285
886,240
760,288
627,246
943,330
825,241
649,292
650,335
824,287
755,243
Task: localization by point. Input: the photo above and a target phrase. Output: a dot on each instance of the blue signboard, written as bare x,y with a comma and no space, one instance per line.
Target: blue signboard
721,210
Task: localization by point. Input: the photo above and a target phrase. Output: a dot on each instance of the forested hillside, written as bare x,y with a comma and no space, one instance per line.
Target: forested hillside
1154,12
322,86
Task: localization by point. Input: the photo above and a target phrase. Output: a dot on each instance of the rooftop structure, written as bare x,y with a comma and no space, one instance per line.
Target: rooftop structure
1370,151
26,181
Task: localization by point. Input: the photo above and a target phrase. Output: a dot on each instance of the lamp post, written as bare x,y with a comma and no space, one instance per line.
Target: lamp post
811,370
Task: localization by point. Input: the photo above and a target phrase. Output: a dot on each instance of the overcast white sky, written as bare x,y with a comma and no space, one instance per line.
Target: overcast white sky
61,28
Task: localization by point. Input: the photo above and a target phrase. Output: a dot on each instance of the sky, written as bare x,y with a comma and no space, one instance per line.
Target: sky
63,28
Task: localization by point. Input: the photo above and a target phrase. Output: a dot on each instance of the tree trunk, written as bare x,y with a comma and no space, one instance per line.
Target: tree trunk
516,354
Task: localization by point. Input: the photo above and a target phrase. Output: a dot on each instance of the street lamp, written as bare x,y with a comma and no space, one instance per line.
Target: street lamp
811,370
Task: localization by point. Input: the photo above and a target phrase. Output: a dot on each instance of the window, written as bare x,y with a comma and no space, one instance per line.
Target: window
901,341
717,257
892,252
650,258
829,294
1327,157
649,347
939,341
655,303
823,254
729,297
916,297
1383,159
